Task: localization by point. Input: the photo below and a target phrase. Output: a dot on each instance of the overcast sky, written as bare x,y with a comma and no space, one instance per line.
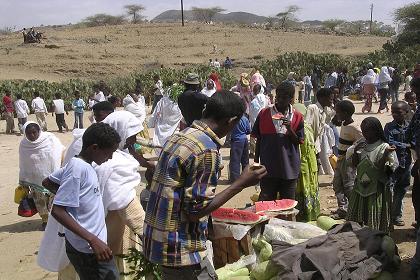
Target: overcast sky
21,13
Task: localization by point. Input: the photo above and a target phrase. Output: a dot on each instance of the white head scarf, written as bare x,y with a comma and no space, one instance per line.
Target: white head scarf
39,158
384,76
369,78
209,92
125,123
138,109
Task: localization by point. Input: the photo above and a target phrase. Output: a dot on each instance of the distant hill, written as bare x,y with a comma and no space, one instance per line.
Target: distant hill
234,17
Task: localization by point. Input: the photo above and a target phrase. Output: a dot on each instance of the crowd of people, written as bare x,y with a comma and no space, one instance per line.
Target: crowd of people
92,193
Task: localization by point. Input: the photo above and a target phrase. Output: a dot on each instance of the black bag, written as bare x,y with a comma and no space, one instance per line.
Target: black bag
27,207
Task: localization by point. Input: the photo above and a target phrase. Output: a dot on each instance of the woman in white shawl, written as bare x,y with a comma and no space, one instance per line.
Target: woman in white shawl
382,82
209,89
118,180
368,89
259,102
165,120
135,104
40,154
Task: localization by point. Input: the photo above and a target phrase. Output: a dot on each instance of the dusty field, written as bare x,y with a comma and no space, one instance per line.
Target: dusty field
20,237
118,50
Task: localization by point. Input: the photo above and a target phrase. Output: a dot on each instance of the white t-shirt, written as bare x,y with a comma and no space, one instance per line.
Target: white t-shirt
100,97
22,109
39,106
58,106
79,192
217,64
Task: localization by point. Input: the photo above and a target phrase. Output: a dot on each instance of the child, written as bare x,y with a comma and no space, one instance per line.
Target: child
22,111
59,109
158,94
40,109
115,101
279,131
410,98
344,174
78,205
301,88
239,148
407,80
396,135
183,191
370,199
78,107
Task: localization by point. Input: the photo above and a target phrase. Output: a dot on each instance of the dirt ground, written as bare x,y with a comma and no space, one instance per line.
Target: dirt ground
20,237
98,52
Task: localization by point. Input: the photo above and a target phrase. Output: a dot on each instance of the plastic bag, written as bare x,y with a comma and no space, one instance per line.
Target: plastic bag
20,193
290,232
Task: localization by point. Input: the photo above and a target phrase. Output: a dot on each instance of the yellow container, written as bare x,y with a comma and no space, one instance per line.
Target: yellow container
20,193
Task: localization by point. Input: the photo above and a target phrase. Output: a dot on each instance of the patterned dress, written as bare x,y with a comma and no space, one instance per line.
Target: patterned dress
370,200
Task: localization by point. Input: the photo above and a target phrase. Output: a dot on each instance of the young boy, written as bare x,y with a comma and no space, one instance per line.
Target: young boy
279,131
182,192
239,148
78,107
22,111
345,175
79,208
396,135
40,109
59,109
410,98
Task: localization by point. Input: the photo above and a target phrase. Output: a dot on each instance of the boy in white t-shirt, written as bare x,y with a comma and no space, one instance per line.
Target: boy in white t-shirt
79,208
59,110
22,111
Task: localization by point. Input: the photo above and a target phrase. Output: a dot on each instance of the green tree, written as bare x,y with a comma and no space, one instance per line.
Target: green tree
288,15
135,11
332,23
409,18
206,14
103,19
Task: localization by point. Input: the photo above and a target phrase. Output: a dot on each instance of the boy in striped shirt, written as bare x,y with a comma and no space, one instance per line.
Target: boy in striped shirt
345,174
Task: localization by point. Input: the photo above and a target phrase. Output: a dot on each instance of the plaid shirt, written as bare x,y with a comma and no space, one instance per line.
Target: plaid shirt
397,135
184,182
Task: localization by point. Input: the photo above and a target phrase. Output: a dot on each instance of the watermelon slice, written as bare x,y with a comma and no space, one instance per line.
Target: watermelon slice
277,116
235,216
275,205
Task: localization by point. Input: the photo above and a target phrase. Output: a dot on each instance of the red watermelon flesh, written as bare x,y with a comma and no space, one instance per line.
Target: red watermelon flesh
277,116
275,205
235,216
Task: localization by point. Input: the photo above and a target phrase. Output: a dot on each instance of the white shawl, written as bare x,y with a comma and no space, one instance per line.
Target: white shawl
138,108
257,104
383,76
39,158
165,119
369,78
125,123
76,146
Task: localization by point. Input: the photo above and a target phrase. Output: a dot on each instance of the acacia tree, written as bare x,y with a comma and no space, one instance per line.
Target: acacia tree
409,17
135,11
206,14
332,23
288,15
103,19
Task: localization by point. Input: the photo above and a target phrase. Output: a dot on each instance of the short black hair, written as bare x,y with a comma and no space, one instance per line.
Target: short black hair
113,99
19,96
286,88
36,94
102,135
57,95
346,106
324,92
224,104
373,124
105,106
34,125
402,104
191,104
415,83
409,94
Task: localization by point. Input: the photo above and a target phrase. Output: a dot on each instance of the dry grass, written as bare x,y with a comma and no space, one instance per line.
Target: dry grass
117,50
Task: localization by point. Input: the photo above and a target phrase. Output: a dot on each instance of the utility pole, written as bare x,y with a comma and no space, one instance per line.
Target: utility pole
182,12
371,18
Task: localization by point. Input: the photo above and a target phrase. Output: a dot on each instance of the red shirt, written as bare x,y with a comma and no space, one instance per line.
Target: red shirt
8,104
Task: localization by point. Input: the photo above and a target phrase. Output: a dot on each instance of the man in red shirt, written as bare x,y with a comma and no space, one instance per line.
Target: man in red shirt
8,113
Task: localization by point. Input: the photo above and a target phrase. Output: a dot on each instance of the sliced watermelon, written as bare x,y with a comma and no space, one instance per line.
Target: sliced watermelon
277,116
275,205
235,216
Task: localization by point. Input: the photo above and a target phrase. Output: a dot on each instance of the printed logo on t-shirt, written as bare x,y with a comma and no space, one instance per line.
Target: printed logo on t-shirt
96,189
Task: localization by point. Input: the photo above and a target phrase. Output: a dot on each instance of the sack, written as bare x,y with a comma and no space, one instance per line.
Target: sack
20,193
27,207
52,251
